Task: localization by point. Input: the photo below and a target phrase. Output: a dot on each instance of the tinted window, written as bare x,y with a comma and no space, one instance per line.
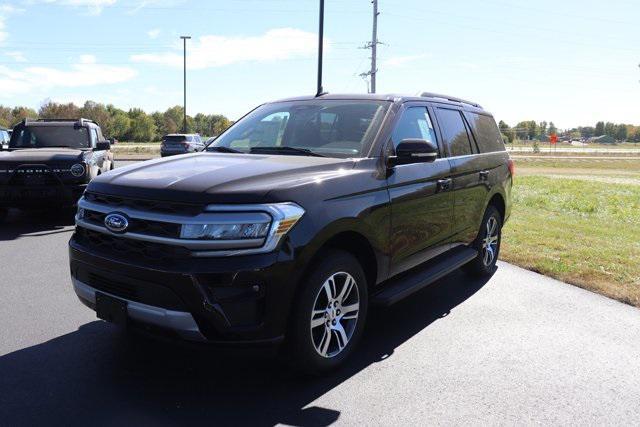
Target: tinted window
414,124
454,132
50,136
327,127
486,132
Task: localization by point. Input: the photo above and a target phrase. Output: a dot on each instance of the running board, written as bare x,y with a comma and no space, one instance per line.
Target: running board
420,277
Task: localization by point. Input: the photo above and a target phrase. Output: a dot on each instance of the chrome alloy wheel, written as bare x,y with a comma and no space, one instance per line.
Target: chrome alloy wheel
490,241
335,314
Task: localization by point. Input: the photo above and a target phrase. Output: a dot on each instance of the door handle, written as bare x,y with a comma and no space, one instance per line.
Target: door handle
484,175
444,184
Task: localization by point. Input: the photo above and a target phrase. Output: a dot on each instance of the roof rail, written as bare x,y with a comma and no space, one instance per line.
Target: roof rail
449,98
80,121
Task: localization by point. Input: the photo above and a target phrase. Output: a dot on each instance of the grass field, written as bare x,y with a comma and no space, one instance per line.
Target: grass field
578,222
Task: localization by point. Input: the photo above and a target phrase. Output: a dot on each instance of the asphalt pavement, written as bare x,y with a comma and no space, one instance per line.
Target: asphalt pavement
518,348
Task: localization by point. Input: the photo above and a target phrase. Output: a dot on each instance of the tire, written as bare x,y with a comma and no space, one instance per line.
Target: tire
320,323
3,214
485,263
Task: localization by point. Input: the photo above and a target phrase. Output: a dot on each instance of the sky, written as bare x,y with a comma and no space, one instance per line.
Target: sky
573,62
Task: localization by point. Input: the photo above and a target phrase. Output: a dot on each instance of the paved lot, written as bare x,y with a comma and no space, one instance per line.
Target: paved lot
517,349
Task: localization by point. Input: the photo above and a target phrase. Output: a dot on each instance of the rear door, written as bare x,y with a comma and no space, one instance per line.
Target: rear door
468,170
421,203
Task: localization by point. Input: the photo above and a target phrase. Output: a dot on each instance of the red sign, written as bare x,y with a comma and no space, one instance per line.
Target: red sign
553,138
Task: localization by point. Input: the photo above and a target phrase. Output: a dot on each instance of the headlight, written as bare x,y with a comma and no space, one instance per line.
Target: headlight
269,222
77,170
225,231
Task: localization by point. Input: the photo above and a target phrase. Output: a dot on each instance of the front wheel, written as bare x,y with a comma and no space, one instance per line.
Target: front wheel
487,244
329,314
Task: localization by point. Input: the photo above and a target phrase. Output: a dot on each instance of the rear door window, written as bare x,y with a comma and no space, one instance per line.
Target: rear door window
454,132
486,132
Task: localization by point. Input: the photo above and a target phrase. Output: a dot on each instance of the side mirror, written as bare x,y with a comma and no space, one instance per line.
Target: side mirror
102,146
411,151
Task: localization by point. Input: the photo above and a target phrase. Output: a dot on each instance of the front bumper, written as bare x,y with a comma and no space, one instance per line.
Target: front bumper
178,322
40,196
232,300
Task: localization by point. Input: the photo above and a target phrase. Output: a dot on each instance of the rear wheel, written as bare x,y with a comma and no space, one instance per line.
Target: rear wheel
487,244
329,314
3,214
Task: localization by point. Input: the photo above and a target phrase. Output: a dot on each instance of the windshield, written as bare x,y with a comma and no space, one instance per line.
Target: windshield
341,129
50,136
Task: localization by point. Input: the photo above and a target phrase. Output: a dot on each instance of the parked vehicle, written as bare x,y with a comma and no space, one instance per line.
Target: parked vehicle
49,162
4,138
180,143
295,220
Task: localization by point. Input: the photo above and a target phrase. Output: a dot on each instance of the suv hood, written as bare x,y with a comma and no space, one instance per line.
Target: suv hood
217,177
41,155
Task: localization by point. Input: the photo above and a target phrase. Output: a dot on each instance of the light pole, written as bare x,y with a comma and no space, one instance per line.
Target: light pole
184,122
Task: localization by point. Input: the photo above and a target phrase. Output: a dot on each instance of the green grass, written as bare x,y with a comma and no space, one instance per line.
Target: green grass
579,231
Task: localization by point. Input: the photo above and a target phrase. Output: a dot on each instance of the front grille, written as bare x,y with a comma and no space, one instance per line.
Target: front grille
142,291
33,177
140,226
123,247
145,205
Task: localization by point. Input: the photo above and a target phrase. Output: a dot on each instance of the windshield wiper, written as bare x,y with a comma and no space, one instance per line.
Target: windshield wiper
222,149
288,150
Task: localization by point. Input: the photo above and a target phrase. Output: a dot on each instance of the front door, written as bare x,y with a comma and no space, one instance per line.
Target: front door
421,203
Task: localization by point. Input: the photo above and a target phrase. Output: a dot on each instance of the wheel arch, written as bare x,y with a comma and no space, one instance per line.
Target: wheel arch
498,201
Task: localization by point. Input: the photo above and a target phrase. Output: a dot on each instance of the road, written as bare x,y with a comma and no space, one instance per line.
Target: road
518,348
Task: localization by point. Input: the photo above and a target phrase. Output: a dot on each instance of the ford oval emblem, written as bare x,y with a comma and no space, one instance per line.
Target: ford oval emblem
116,222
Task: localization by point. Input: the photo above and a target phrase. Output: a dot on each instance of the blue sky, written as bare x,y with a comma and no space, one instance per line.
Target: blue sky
573,62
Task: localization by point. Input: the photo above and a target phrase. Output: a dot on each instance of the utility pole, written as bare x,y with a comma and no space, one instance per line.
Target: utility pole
184,122
319,90
373,45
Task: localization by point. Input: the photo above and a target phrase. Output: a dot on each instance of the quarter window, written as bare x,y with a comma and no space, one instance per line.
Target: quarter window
454,132
414,124
486,131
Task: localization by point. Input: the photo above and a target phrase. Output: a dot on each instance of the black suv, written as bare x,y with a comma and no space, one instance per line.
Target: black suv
295,220
49,162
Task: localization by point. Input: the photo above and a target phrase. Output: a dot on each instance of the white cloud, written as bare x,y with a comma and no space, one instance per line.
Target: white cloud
216,51
401,61
87,72
94,7
6,9
153,34
16,55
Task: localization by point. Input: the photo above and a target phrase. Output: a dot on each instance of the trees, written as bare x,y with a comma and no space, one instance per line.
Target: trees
621,133
599,129
134,124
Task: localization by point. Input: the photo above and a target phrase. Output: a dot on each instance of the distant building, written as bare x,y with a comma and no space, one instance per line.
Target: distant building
603,139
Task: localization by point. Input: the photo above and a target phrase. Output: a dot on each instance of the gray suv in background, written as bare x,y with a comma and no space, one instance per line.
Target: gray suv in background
4,138
181,143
